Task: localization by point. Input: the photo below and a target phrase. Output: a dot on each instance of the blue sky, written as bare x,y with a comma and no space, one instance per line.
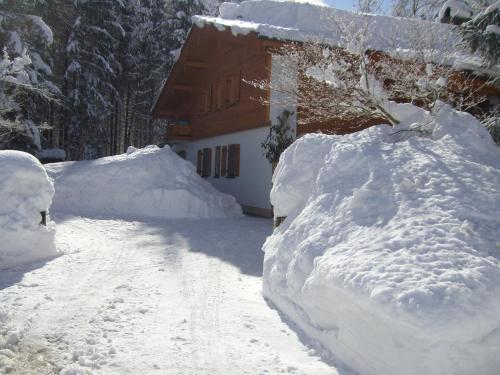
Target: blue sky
350,4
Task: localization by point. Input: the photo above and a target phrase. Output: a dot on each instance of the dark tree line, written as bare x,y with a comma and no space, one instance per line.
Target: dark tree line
82,75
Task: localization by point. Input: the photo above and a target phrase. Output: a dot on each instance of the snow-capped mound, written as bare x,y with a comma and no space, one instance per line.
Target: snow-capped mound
142,183
25,191
390,255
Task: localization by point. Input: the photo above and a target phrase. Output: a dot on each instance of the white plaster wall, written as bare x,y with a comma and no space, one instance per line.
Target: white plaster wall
253,185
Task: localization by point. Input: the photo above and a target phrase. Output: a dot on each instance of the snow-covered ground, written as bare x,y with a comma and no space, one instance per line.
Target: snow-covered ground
129,297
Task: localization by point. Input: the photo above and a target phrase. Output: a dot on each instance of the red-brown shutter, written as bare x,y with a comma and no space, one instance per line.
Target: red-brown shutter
199,162
209,162
223,171
229,99
217,162
237,88
206,169
233,169
236,160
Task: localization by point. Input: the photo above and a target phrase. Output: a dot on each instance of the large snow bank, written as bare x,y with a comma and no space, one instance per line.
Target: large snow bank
147,183
390,254
25,191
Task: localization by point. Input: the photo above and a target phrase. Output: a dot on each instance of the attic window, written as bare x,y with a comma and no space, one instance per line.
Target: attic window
229,100
217,96
204,101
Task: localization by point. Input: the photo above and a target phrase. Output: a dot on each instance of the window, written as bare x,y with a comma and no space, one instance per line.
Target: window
229,98
217,162
223,164
220,95
207,162
217,96
204,101
237,88
233,168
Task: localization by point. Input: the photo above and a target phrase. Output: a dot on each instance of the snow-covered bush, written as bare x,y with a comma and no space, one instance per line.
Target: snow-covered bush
389,255
142,183
25,191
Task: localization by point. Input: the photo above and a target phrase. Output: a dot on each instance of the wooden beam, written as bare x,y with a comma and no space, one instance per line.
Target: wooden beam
172,113
272,43
196,64
180,87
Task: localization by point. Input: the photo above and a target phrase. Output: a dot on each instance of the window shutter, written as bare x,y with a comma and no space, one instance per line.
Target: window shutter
236,160
207,162
229,97
233,161
237,88
212,101
223,171
199,162
217,162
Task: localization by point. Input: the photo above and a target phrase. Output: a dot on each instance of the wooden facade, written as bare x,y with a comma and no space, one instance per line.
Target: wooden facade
206,94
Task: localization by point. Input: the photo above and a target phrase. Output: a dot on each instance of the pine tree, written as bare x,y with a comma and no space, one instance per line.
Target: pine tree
482,34
91,74
25,74
280,136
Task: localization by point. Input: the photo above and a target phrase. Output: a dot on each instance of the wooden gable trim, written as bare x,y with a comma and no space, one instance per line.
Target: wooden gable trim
251,41
175,68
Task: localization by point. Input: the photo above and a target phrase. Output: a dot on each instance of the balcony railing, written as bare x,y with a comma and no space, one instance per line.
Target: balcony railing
179,133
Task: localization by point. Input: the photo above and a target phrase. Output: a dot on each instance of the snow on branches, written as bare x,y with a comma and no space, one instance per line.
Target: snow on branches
352,82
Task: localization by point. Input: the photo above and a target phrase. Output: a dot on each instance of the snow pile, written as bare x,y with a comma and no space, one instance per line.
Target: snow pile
145,183
25,191
390,255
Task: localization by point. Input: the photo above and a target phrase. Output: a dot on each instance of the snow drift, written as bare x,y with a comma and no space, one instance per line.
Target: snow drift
146,183
25,191
389,254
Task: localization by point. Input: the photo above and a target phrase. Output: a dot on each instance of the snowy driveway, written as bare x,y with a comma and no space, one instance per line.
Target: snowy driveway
178,297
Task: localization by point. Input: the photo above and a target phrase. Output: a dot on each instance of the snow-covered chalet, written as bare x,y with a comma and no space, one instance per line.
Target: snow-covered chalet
215,121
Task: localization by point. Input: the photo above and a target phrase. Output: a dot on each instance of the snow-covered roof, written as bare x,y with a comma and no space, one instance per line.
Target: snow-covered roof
296,21
304,21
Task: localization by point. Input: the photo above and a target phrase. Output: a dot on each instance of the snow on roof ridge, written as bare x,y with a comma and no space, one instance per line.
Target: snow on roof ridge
304,21
240,11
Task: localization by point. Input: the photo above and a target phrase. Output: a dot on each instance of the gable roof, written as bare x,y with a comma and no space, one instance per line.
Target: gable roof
397,36
301,22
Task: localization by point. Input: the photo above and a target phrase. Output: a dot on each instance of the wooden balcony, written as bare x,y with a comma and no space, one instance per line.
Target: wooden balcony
179,133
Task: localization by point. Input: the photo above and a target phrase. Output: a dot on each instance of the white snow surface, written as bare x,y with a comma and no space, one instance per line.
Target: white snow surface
390,254
302,21
25,191
176,297
145,183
